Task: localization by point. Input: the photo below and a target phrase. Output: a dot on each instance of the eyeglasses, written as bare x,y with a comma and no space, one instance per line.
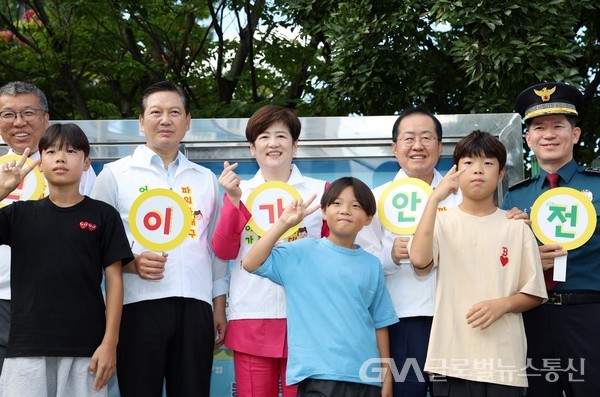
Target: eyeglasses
409,141
8,116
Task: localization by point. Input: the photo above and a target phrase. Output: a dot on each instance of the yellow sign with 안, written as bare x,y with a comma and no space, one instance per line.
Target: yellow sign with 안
402,203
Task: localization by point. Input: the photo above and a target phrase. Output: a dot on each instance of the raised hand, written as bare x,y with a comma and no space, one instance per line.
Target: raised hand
297,210
13,172
449,184
230,182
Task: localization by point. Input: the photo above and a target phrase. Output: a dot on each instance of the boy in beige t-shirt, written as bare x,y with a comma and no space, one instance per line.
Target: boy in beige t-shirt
490,273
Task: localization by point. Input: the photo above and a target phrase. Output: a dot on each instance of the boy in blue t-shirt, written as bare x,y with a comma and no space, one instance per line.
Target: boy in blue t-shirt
338,305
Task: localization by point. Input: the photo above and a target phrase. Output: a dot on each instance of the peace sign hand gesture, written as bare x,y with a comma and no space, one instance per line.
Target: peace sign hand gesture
297,210
13,172
448,185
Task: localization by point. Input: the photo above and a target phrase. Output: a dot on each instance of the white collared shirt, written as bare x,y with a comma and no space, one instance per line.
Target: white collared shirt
255,297
192,270
412,296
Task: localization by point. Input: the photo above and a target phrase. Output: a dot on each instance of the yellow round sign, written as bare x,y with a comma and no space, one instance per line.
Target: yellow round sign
31,188
160,219
402,203
563,216
267,202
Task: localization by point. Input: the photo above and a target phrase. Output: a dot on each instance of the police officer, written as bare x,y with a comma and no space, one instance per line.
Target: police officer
562,332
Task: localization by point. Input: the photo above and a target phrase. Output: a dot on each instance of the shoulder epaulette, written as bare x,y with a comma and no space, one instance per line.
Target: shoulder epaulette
521,183
592,170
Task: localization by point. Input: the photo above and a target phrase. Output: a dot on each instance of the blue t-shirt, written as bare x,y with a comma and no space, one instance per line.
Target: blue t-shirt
336,299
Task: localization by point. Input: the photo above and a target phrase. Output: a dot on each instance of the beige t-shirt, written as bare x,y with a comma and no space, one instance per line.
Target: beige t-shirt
481,258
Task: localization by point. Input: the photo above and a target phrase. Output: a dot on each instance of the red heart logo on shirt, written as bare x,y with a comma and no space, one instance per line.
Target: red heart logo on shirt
83,225
504,260
92,227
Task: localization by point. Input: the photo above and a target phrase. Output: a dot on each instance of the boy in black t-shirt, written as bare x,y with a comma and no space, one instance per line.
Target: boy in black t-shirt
63,338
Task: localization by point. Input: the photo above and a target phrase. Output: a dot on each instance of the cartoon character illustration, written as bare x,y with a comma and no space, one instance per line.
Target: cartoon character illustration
302,232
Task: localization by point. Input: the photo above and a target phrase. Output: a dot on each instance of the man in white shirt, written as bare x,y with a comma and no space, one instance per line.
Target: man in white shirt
23,120
168,327
417,145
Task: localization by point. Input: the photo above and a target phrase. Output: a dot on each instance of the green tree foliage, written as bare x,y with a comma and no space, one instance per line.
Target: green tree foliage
93,58
451,56
323,57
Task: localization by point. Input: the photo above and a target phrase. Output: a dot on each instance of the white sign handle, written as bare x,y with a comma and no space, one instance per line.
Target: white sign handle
560,268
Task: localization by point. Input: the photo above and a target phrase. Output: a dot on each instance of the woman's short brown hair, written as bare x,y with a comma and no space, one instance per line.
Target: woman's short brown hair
264,117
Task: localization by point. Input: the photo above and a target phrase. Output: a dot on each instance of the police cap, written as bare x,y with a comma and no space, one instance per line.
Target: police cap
549,98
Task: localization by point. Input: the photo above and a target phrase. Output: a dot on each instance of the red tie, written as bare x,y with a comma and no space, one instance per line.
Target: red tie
548,274
553,180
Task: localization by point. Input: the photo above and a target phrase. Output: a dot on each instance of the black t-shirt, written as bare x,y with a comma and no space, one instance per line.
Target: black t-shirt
57,258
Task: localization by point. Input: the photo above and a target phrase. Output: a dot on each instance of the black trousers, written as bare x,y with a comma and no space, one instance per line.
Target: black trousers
333,388
409,339
168,340
455,387
562,350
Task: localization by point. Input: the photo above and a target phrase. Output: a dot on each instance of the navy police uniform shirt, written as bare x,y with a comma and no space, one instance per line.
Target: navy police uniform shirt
583,263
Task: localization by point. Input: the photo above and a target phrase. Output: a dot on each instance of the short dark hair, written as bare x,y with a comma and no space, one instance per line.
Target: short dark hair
417,110
65,135
362,192
269,114
480,144
15,88
160,87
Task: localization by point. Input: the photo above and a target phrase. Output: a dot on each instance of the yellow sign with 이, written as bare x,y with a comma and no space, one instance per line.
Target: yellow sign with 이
267,202
30,188
160,219
402,203
563,216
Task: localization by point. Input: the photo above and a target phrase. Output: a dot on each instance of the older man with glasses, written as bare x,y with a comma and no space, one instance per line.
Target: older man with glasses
417,145
27,115
23,120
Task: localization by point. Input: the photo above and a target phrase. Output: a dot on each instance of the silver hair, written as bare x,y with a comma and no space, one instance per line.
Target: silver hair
20,88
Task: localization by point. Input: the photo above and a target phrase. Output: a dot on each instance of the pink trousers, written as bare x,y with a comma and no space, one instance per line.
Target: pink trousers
259,376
